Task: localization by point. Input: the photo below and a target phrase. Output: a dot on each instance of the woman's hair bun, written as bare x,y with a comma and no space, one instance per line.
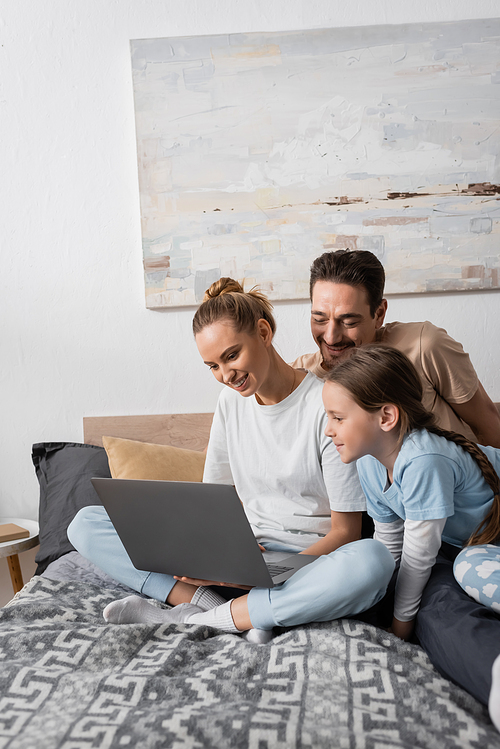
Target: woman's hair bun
223,286
226,299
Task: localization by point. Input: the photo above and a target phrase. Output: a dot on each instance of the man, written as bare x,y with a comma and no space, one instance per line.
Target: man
348,309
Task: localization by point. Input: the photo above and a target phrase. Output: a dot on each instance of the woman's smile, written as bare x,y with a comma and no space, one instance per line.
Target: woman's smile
239,384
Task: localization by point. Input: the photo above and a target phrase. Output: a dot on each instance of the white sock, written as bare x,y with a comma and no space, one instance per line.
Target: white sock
218,617
206,598
136,610
258,636
494,700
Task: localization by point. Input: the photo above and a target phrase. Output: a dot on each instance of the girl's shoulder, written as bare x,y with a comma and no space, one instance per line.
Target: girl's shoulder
421,446
421,442
493,455
371,471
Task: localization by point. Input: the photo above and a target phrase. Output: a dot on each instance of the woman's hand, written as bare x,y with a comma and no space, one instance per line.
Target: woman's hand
345,528
194,581
403,630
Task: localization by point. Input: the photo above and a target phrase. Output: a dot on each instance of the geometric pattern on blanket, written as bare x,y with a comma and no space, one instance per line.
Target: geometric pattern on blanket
68,680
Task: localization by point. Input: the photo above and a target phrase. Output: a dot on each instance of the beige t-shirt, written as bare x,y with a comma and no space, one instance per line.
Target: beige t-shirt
445,369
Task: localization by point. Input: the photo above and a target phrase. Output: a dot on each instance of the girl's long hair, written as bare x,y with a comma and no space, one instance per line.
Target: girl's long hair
375,375
227,300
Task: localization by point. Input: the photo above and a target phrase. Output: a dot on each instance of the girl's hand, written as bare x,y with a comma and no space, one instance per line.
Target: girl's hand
207,583
403,630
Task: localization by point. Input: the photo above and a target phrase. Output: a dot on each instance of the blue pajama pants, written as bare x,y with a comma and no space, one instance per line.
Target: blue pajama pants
343,583
477,571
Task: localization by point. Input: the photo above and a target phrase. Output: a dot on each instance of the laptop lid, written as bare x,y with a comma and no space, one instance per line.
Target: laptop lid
188,529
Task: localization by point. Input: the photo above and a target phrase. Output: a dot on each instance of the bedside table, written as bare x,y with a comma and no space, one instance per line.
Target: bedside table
11,549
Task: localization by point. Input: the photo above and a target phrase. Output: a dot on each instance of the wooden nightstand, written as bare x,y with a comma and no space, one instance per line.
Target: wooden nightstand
11,549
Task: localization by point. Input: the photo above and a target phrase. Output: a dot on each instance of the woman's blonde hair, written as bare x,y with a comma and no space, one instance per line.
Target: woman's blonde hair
375,375
227,300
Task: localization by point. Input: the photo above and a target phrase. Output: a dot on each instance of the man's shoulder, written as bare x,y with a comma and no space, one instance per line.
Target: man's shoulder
394,332
311,362
413,337
301,361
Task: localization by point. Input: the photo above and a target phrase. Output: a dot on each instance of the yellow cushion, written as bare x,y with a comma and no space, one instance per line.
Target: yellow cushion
129,459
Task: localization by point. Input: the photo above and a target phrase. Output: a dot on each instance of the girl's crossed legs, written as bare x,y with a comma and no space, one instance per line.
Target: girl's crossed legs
344,583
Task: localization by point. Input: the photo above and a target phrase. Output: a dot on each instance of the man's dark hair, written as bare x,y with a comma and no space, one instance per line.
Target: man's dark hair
353,267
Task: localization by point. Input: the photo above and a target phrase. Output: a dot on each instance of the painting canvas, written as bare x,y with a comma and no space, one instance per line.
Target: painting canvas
259,151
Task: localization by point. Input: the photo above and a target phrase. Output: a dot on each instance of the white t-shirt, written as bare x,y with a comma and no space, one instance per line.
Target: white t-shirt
287,473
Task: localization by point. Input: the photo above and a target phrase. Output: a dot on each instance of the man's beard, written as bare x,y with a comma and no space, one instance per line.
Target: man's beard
329,360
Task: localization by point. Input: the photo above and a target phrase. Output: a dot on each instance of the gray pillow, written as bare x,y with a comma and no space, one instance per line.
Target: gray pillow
64,470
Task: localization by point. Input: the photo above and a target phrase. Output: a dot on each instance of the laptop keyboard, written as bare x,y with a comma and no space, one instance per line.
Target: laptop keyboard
275,569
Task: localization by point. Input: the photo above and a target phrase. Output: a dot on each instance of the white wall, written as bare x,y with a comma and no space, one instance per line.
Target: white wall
75,337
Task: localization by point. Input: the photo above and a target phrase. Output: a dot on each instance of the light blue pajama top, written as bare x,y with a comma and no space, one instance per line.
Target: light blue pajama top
433,478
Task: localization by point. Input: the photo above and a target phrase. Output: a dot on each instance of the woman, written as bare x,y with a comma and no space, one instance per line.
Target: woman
268,440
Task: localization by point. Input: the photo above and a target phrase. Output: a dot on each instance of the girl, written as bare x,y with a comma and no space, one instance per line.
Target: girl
268,440
423,485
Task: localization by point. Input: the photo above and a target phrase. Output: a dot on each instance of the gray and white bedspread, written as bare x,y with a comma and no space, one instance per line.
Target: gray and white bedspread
67,679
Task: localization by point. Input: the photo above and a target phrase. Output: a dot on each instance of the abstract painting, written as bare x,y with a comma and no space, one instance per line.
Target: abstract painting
257,152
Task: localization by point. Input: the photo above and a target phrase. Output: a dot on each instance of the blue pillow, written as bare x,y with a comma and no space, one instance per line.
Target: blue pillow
477,571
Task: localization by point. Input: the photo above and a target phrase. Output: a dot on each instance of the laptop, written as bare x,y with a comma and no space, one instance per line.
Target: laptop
192,529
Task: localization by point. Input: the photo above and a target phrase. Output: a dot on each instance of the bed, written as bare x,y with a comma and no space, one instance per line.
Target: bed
70,680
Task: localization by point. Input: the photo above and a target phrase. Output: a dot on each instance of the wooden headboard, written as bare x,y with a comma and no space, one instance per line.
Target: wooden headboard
190,431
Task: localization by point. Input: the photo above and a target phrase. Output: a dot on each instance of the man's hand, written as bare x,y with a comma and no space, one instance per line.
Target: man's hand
403,630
